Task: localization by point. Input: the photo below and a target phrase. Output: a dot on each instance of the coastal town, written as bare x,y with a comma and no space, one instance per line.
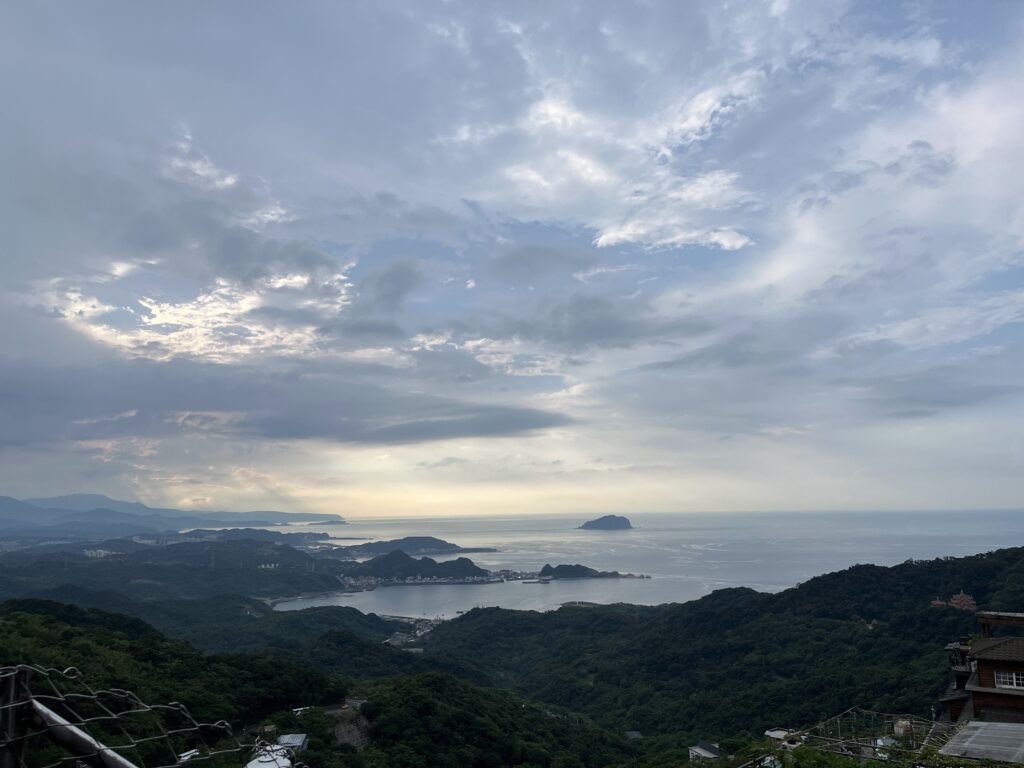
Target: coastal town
364,583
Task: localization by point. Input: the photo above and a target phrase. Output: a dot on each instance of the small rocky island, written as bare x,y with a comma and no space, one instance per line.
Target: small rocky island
607,523
578,571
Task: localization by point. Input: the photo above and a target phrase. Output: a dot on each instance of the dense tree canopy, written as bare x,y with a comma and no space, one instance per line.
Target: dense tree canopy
498,687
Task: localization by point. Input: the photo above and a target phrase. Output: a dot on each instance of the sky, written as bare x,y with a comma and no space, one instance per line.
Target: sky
405,258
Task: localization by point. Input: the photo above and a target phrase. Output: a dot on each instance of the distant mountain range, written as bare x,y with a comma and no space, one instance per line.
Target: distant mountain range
89,514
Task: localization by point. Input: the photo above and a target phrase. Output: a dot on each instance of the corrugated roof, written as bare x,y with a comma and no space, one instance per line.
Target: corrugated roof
998,649
707,749
992,741
271,757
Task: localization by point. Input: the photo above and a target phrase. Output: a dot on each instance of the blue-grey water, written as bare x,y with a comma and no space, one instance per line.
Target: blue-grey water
688,555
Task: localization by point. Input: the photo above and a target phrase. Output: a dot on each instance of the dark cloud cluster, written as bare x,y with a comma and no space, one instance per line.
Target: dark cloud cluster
50,404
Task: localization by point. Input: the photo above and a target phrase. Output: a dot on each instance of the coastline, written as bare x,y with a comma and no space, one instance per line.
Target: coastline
273,602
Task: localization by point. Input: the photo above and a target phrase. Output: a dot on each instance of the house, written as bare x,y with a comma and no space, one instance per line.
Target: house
986,695
988,674
996,684
956,697
705,751
296,742
633,735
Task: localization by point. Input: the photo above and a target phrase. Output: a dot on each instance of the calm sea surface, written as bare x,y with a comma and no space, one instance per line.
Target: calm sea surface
688,555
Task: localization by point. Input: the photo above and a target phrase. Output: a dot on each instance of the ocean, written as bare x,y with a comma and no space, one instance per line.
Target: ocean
687,555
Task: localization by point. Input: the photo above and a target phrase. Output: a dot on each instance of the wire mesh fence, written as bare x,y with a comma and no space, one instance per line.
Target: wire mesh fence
52,718
867,734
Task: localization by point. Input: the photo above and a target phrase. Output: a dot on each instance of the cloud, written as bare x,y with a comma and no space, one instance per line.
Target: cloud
224,323
536,264
143,399
929,392
695,246
386,290
943,326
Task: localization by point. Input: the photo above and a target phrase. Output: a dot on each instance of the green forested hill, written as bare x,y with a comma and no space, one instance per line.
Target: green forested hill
726,666
188,570
738,661
232,622
194,570
441,721
399,565
413,720
114,651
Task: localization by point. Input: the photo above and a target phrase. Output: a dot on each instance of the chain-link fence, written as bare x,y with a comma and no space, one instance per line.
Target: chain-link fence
52,718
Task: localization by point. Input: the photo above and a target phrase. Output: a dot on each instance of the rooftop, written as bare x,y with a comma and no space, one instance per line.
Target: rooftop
706,749
998,649
292,740
992,741
271,757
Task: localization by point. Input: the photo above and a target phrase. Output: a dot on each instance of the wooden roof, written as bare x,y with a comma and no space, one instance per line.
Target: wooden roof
998,649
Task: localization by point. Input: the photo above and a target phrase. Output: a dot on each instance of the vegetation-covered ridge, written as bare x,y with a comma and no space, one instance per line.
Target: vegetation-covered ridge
399,565
410,721
116,651
178,571
252,562
721,668
410,545
739,661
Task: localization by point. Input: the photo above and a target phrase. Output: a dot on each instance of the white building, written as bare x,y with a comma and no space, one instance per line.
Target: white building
271,757
293,741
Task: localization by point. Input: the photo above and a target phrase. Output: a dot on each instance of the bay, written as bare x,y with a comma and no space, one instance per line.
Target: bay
687,555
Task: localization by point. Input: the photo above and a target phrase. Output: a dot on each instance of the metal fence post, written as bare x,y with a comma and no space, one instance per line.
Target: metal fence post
12,719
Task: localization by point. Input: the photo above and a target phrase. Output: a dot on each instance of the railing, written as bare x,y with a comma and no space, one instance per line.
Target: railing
53,719
865,733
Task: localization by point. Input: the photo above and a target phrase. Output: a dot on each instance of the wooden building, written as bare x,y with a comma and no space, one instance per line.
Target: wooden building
988,674
996,684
